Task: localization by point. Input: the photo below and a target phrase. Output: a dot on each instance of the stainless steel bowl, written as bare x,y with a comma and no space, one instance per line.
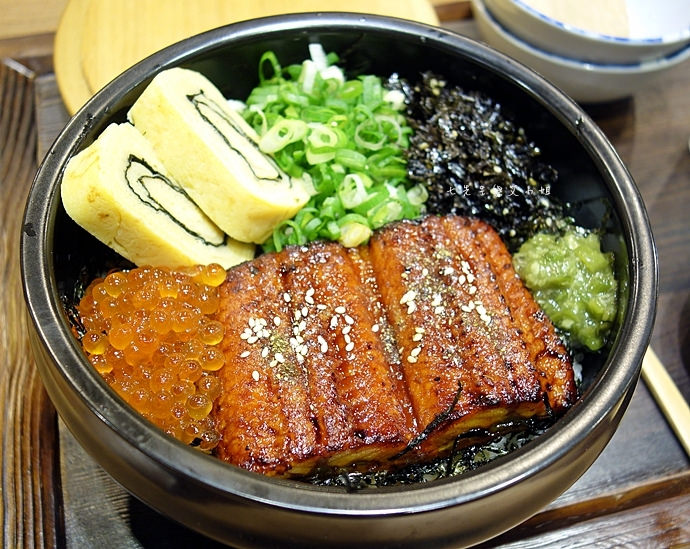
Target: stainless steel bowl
245,509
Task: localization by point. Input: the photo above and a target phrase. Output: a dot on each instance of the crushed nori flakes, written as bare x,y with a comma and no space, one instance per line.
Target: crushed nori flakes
476,161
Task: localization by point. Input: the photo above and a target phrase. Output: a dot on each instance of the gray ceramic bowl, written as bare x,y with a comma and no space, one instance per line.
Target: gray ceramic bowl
245,509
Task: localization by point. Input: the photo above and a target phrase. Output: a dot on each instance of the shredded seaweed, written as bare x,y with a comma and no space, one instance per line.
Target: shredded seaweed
476,161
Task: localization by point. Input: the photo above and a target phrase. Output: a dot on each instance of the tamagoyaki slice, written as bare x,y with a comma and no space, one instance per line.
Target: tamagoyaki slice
213,152
119,191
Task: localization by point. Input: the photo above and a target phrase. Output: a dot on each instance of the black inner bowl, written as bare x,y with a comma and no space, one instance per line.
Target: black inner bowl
56,254
234,69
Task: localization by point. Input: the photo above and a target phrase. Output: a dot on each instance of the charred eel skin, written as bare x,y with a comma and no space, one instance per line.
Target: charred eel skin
381,355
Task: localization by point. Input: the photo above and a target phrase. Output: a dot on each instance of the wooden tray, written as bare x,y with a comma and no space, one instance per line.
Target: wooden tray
97,40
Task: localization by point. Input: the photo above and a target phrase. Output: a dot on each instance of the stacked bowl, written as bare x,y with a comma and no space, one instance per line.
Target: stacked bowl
595,53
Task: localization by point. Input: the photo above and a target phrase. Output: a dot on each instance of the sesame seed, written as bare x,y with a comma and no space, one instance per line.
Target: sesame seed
298,314
276,320
425,271
415,351
407,297
244,354
255,375
439,310
274,363
447,271
334,321
303,350
481,310
349,346
466,308
293,341
349,319
411,307
347,338
375,328
419,330
264,352
245,335
302,325
279,357
286,297
472,290
340,310
417,337
253,339
411,359
310,292
299,339
321,307
265,334
346,329
322,343
309,299
305,311
300,358
470,278
461,279
252,322
436,300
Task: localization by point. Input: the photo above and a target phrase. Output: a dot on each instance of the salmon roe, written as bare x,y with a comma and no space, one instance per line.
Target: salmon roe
149,332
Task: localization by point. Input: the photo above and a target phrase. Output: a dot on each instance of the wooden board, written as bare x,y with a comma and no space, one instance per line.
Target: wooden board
73,87
97,40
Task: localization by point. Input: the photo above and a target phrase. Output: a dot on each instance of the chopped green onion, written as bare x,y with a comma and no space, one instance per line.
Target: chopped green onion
347,136
281,134
352,191
384,213
417,195
354,234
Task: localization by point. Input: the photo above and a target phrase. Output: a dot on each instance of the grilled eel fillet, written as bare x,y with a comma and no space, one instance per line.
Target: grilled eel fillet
383,354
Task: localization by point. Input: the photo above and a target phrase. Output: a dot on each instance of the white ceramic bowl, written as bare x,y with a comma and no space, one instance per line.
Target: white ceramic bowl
583,81
643,30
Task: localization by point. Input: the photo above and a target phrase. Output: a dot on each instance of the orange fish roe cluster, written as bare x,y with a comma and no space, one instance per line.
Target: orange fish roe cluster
151,335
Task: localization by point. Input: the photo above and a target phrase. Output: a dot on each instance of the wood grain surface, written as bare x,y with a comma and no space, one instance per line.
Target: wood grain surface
637,494
29,17
31,495
97,40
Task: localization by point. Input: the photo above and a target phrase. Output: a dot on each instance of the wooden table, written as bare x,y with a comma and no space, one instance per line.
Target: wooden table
637,494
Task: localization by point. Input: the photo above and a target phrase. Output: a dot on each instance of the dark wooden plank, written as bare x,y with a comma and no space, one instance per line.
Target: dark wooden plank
24,47
650,132
661,522
31,501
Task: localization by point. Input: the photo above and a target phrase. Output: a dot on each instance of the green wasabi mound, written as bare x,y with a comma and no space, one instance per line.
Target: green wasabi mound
573,281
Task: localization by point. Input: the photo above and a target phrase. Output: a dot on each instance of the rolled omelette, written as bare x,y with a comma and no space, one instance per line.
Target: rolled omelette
214,154
118,190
